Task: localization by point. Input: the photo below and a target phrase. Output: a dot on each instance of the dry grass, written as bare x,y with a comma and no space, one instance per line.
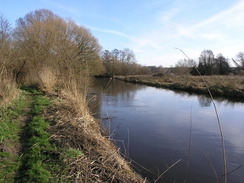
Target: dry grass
48,78
74,94
225,86
75,128
8,88
234,82
101,161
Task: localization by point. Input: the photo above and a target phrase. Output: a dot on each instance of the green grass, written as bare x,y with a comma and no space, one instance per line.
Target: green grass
35,143
10,129
40,160
72,153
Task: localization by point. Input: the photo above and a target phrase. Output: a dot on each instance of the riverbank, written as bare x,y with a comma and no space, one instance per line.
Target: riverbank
45,139
231,87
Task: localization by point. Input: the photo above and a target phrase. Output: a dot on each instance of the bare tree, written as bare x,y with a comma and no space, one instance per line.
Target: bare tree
5,44
43,39
183,67
8,89
239,61
206,62
120,62
5,30
221,65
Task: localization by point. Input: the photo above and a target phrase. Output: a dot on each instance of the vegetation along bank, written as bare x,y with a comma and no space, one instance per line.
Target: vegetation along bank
47,133
46,69
220,86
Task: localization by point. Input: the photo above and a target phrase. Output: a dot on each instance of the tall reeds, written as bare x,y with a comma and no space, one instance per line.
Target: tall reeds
8,88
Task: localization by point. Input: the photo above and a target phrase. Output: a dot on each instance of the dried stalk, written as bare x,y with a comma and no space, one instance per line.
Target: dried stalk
219,122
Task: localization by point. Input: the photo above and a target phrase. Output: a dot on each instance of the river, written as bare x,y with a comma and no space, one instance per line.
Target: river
156,128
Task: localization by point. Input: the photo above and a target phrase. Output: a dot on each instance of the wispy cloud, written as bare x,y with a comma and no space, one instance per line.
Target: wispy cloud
61,6
209,33
231,18
114,32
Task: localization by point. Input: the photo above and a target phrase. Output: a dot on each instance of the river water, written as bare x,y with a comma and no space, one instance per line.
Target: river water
156,128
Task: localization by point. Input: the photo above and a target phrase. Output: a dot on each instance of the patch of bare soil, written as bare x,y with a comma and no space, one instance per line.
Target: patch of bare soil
10,146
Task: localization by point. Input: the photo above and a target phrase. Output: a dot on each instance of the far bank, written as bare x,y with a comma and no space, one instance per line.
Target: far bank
231,87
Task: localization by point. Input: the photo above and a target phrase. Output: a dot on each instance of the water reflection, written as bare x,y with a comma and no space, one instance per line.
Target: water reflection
204,101
154,127
109,89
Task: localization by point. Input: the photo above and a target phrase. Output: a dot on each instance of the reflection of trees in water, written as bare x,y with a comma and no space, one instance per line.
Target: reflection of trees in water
115,90
204,101
121,89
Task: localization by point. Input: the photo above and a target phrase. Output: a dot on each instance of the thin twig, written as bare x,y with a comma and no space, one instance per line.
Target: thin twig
128,143
167,170
232,171
189,147
108,83
210,163
142,167
219,122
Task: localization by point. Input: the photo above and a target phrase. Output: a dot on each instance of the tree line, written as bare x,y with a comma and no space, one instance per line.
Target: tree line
43,48
122,62
208,64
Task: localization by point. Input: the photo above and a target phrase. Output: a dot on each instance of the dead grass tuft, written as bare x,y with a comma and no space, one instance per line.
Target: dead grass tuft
8,88
48,79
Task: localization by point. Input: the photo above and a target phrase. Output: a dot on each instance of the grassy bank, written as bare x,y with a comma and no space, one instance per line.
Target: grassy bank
10,129
220,86
45,139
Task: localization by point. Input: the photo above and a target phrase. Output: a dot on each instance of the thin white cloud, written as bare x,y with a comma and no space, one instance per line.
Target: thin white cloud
121,34
228,19
60,6
216,33
213,35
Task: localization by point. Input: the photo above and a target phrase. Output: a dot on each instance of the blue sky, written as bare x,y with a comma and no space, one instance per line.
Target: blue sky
151,28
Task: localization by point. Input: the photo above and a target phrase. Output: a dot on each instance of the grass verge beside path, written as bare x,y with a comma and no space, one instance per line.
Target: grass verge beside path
231,87
26,153
35,143
44,140
10,128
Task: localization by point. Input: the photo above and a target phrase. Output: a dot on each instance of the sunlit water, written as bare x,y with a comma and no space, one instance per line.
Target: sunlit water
152,126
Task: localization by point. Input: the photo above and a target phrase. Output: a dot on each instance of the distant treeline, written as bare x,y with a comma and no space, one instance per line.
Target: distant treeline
207,64
122,62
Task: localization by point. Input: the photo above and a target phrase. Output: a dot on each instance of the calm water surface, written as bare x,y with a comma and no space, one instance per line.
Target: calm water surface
152,126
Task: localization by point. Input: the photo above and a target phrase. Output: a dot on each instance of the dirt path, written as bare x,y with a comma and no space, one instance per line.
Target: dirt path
13,119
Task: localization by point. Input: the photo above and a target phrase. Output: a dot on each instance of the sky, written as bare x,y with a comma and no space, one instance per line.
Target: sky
151,28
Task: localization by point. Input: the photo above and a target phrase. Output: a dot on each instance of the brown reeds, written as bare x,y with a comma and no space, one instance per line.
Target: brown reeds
101,160
161,175
48,78
8,88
